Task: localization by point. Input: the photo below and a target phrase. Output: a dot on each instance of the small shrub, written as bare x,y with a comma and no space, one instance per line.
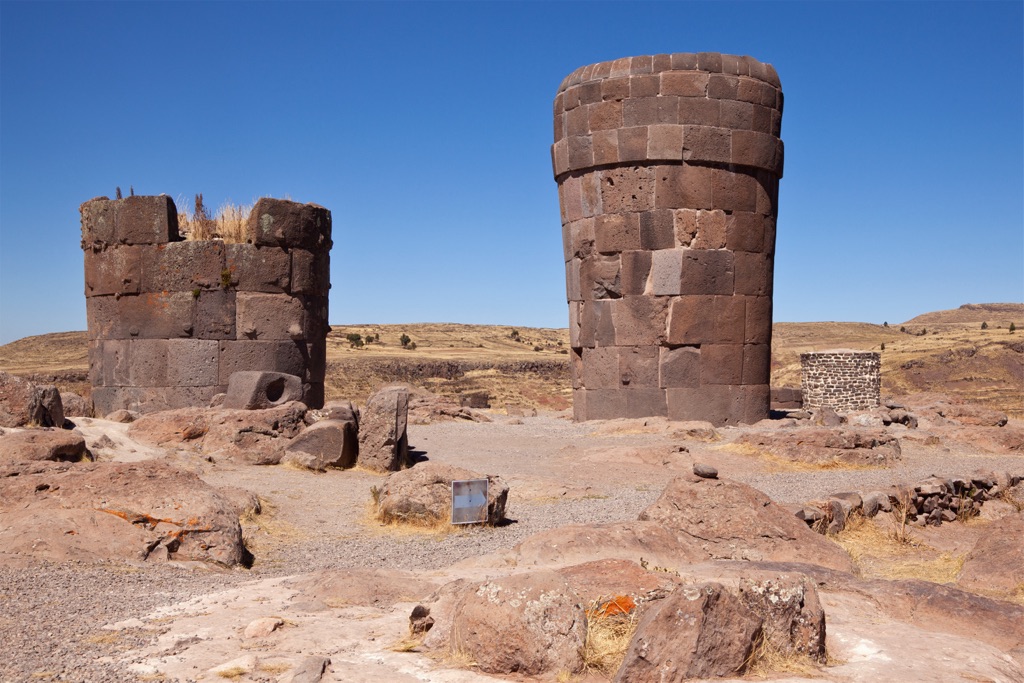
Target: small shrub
903,329
984,326
537,348
355,340
514,335
883,346
885,324
404,340
225,278
1013,328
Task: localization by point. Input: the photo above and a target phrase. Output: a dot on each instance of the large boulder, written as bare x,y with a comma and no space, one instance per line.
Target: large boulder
259,390
74,405
828,446
42,444
423,494
327,443
383,442
527,624
24,403
255,437
127,511
730,520
696,632
996,563
794,621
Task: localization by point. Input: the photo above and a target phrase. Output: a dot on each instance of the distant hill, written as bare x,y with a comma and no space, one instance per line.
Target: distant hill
529,366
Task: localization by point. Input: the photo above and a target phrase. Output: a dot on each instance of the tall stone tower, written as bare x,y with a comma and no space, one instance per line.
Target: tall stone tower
170,320
668,171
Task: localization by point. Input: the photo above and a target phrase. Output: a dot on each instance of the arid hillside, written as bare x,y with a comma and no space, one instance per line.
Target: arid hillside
943,351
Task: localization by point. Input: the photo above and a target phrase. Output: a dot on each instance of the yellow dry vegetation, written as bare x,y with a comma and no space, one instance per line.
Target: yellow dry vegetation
876,549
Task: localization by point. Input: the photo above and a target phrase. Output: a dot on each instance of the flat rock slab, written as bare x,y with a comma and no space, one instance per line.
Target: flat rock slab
126,511
42,444
825,446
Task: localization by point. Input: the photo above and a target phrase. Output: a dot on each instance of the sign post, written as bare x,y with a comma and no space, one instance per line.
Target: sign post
469,501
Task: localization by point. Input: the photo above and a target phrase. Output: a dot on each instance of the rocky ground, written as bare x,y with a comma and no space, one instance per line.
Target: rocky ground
329,591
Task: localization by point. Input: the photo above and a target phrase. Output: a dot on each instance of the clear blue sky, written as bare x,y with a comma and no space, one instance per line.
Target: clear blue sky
425,128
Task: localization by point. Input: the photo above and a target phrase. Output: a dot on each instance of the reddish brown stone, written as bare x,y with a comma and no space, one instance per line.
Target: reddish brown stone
645,402
683,186
183,267
599,278
753,274
615,232
132,220
636,267
287,224
215,314
729,314
755,149
633,143
258,269
706,143
684,61
757,361
192,362
581,152
97,223
581,238
605,115
268,316
709,61
615,89
707,272
644,86
657,229
560,157
740,115
147,362
627,189
666,272
684,83
601,368
639,320
665,141
310,272
577,122
723,86
590,195
590,92
717,404
699,111
721,363
599,404
114,270
679,367
690,320
638,367
710,230
596,324
112,367
734,191
164,315
745,231
754,402
277,356
606,147
758,328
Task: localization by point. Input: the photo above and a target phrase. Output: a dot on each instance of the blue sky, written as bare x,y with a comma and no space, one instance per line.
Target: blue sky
425,128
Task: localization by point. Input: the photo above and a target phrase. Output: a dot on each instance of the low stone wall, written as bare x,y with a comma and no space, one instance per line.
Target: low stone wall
171,320
841,380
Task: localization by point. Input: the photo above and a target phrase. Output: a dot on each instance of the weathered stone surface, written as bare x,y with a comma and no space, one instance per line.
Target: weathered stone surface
132,220
74,405
327,443
24,403
42,444
383,443
794,620
601,580
123,416
730,520
857,446
696,632
256,269
287,224
528,624
423,494
133,511
996,563
255,390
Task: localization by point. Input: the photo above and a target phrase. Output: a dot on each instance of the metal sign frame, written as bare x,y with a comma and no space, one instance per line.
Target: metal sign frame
469,501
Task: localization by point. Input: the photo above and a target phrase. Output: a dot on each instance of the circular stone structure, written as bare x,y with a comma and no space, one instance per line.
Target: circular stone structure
668,171
841,379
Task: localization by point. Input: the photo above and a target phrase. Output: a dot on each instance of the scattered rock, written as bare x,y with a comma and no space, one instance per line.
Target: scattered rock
527,624
475,399
243,501
123,416
74,405
794,621
696,632
705,471
261,628
383,443
824,446
134,511
42,444
259,390
423,494
420,621
23,403
327,443
730,520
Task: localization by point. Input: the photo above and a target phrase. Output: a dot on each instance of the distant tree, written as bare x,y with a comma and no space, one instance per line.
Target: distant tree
355,340
883,346
404,340
924,331
885,324
903,329
1013,328
984,326
514,335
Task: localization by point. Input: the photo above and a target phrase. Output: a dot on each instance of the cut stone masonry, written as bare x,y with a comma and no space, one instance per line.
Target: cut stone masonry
171,320
668,171
841,380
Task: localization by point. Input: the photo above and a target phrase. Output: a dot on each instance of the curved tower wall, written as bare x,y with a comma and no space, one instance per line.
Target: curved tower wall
668,171
171,320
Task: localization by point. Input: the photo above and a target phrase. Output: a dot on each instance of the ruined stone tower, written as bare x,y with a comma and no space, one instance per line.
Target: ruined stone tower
668,171
171,320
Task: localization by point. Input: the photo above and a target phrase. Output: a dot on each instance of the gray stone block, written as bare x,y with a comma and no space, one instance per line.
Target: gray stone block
257,390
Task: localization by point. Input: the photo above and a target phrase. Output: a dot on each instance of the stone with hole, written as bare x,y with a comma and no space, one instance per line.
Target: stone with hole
257,390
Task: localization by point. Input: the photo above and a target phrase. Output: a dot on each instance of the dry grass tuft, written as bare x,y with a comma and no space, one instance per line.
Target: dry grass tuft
767,659
233,672
610,628
881,554
107,638
407,645
274,667
228,225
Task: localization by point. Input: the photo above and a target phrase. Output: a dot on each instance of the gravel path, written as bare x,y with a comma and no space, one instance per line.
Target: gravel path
51,614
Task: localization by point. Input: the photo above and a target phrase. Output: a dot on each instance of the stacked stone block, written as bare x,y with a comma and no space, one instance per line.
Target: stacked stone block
841,380
668,171
171,320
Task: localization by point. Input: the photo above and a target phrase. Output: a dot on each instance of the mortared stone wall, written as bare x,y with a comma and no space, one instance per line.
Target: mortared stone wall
170,320
841,380
668,171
